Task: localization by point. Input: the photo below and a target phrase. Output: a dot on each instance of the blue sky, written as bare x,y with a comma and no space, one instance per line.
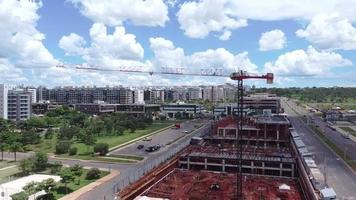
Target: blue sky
305,44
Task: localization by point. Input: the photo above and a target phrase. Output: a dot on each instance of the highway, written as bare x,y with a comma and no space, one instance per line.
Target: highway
338,174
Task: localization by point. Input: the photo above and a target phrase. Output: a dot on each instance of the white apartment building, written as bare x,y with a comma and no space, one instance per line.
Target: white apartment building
33,94
19,105
4,89
139,97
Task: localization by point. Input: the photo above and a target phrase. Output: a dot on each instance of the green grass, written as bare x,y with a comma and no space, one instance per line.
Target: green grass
130,157
125,137
48,145
109,159
335,148
349,130
10,172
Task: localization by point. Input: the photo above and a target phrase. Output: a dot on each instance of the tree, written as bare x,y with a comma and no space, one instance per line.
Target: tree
67,176
40,161
32,188
56,167
30,137
3,147
87,137
48,186
93,173
72,151
15,147
62,146
26,165
101,148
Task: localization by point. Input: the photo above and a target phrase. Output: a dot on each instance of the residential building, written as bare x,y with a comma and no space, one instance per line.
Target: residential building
19,105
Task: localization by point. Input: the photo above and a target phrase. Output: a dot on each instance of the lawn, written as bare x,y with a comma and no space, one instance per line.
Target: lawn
349,130
117,140
45,146
5,174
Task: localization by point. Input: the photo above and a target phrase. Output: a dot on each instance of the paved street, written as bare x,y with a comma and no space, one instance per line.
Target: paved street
163,138
338,175
345,144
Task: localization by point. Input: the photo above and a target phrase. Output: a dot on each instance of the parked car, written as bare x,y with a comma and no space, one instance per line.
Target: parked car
140,146
186,132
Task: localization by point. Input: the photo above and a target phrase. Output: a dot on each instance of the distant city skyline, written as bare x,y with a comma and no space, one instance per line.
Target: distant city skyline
305,44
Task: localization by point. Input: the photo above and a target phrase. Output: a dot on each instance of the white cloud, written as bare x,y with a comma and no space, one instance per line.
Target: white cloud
272,40
115,13
9,73
167,55
330,32
21,43
198,19
309,62
105,50
73,44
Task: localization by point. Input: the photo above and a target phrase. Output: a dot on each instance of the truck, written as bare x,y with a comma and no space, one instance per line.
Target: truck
176,126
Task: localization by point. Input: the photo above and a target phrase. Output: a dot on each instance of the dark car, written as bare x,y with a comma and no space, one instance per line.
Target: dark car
140,146
153,148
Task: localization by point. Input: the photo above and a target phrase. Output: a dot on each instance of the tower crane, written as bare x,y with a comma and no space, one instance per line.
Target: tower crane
238,76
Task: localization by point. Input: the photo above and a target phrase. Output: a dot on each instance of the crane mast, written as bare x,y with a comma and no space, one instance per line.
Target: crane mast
239,77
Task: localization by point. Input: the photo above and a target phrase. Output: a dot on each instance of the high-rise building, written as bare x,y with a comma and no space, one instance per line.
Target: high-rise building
3,100
33,94
138,96
126,96
19,105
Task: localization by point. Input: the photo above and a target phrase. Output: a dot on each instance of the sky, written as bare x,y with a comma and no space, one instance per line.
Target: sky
304,43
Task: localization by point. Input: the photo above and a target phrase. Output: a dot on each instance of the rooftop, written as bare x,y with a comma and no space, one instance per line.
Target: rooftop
188,184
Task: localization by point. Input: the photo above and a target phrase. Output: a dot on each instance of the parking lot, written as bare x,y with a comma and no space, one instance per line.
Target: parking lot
164,139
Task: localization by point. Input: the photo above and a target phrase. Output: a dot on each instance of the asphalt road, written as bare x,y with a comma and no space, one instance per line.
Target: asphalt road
336,137
163,138
338,174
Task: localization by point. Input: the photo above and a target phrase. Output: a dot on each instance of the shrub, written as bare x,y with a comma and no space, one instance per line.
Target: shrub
40,161
19,196
101,148
73,151
77,170
62,147
93,173
56,167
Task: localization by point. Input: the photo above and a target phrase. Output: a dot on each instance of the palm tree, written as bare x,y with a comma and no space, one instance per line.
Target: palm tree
15,147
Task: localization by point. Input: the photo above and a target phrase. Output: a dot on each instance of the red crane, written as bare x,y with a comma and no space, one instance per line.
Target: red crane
237,76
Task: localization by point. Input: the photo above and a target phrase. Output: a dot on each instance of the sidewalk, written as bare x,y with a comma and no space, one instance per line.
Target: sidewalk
78,193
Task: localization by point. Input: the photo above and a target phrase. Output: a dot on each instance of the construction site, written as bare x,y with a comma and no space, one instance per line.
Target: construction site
264,164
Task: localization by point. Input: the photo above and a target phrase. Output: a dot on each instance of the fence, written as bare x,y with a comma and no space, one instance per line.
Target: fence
135,172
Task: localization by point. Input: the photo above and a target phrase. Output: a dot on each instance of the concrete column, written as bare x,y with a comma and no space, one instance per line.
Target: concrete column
252,167
263,168
205,163
265,145
223,165
292,170
224,132
277,134
188,163
280,169
265,131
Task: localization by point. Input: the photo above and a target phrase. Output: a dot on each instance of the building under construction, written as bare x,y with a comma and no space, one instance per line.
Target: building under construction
272,165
